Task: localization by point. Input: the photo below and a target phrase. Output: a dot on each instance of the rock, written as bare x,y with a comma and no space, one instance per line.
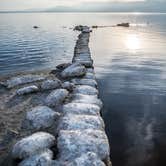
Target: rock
27,90
74,70
87,159
63,66
124,24
81,108
68,85
74,143
35,27
90,70
86,90
89,82
50,84
88,99
44,158
89,76
41,117
15,81
32,144
87,63
56,97
81,122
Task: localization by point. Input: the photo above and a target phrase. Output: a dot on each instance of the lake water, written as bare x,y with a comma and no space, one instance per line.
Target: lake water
130,65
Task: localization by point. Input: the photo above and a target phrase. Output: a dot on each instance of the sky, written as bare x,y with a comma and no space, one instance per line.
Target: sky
16,5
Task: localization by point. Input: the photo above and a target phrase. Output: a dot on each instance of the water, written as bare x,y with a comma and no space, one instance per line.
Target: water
130,67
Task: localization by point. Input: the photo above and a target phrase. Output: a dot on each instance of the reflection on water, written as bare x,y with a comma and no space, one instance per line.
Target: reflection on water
130,66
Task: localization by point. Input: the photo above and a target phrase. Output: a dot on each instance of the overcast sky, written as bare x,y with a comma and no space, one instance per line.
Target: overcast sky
44,4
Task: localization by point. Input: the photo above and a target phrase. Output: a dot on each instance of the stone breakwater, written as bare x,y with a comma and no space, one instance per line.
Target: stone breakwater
66,128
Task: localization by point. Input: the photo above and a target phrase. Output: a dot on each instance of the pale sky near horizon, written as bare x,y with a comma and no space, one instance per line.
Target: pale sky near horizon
42,4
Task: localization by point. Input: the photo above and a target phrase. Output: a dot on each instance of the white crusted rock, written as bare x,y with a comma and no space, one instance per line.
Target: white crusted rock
87,63
74,143
27,90
74,70
44,158
51,84
32,144
86,90
15,81
81,108
56,97
89,82
68,85
88,99
41,117
81,122
89,76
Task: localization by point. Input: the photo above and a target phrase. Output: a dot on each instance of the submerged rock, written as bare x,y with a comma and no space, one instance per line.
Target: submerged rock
81,122
33,144
44,158
15,81
74,143
27,90
74,70
81,108
86,90
56,97
68,85
50,84
84,81
41,117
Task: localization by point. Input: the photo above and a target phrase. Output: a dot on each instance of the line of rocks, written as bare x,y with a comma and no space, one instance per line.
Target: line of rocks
72,110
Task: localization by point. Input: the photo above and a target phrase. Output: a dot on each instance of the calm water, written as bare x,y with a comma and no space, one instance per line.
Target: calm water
131,69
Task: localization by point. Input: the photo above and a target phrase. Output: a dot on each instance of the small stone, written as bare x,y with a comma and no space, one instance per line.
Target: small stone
81,122
41,117
32,144
63,66
50,84
27,90
68,85
86,90
89,82
44,158
81,108
74,70
15,81
56,97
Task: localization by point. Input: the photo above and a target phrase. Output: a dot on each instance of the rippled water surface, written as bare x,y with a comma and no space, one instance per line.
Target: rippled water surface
130,64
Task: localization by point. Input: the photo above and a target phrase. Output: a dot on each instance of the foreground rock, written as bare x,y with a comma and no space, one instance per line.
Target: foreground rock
15,81
50,84
74,70
68,85
27,90
41,117
44,158
33,144
81,122
56,97
81,108
73,144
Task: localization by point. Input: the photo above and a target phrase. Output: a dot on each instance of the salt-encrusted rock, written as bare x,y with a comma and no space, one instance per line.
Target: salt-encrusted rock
74,70
68,85
87,159
56,97
15,81
41,117
90,70
89,76
88,99
89,82
63,66
27,90
81,122
33,144
50,84
87,63
74,143
81,108
86,90
44,158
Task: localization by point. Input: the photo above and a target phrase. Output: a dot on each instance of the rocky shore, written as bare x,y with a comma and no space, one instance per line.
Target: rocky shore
60,121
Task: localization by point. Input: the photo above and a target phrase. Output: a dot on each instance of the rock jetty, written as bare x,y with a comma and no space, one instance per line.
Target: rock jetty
65,128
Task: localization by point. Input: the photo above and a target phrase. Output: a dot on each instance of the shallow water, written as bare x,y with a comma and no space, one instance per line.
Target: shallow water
130,67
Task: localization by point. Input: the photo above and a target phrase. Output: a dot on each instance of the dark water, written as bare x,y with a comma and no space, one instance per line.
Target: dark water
130,64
